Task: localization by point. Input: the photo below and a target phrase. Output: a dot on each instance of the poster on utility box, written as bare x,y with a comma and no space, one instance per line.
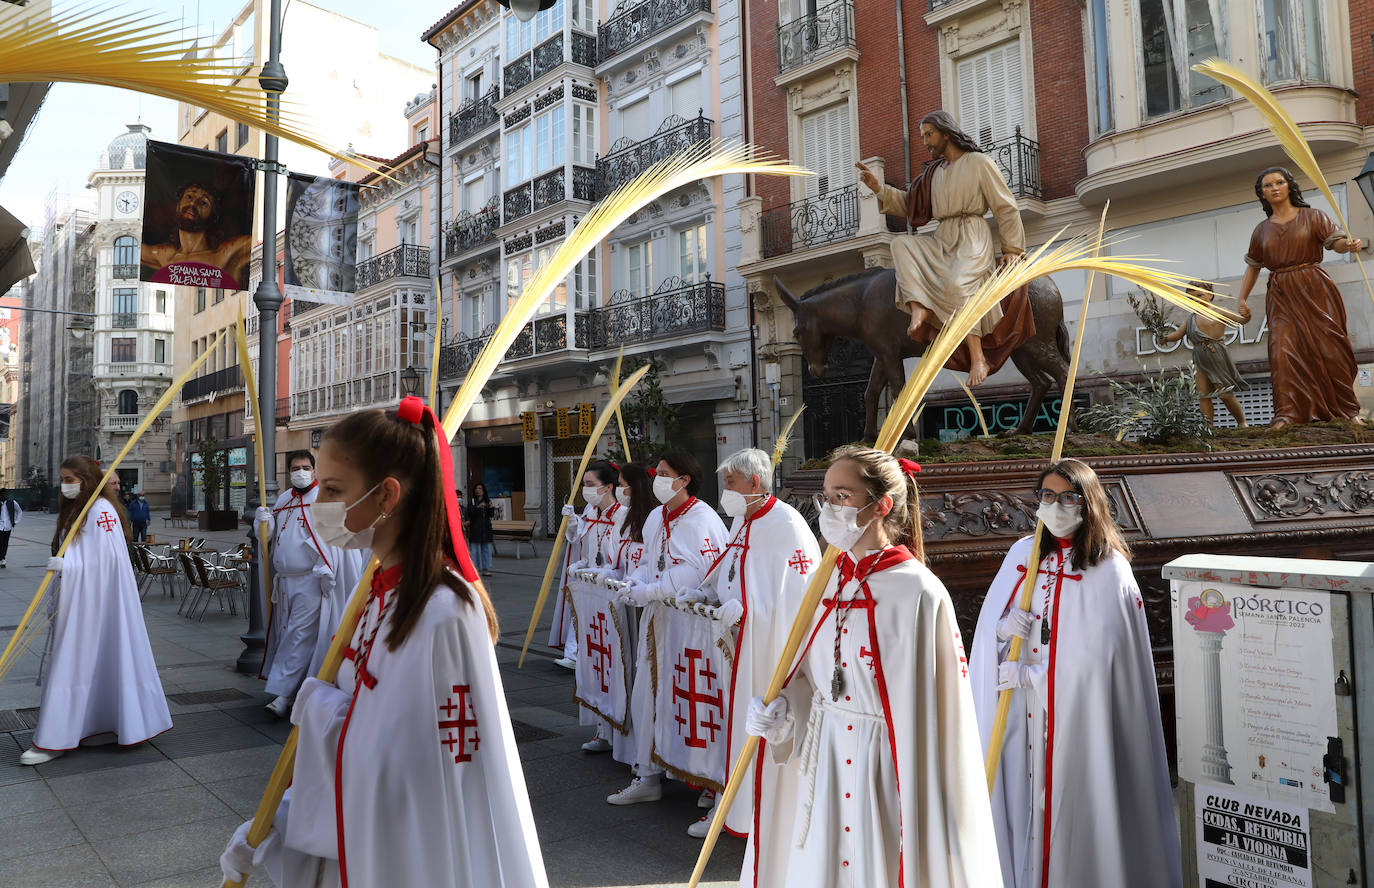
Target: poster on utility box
1249,842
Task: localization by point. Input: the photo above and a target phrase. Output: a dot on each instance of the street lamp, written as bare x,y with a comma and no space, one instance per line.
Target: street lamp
410,381
79,326
525,9
1365,179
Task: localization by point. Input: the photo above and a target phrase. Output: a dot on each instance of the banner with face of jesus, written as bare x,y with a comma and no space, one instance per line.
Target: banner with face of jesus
197,218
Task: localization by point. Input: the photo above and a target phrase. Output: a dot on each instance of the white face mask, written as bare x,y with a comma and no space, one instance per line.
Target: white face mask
622,496
840,526
1059,519
328,521
664,489
301,478
595,496
734,503
71,490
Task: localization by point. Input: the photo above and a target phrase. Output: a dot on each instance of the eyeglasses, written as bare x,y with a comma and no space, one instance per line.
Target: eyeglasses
833,501
1064,498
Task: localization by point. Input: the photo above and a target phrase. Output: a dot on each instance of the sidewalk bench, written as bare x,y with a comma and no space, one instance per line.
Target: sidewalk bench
515,531
190,519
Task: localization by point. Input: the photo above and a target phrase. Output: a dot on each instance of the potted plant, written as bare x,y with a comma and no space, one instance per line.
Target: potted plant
214,469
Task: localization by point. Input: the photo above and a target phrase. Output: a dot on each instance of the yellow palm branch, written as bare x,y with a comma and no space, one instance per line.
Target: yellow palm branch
977,408
785,439
438,328
250,383
619,417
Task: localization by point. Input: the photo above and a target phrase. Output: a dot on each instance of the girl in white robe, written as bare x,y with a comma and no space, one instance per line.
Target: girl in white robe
883,783
585,535
406,769
1083,738
99,676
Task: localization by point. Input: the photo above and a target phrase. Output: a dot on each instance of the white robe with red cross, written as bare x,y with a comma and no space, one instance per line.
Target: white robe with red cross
1085,742
302,579
766,566
592,528
885,785
687,541
407,771
99,675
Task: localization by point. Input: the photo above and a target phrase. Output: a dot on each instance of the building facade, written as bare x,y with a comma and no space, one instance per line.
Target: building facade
11,384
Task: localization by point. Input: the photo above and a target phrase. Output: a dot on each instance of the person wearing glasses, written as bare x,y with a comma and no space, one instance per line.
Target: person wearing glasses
1083,750
881,780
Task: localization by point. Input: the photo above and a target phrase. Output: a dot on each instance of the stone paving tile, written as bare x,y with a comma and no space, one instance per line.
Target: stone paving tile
26,798
85,759
164,852
241,794
153,810
122,783
225,765
31,833
72,867
207,877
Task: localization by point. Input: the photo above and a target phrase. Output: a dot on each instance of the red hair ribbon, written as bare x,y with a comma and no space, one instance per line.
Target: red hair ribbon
653,472
909,467
413,409
612,465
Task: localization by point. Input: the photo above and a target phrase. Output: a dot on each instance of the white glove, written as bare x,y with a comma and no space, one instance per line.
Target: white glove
691,596
730,613
640,593
570,532
308,689
577,566
240,859
568,511
263,515
1011,676
1017,623
773,722
55,564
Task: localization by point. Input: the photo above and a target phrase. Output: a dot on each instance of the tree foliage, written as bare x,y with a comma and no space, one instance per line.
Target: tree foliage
650,421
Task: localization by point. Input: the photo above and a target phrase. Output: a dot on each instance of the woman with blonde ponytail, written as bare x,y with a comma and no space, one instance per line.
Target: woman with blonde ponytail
884,778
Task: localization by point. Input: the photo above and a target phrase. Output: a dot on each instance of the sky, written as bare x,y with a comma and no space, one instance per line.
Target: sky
77,121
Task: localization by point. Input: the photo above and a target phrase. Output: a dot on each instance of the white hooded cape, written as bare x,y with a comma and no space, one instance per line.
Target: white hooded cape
1087,736
591,528
100,675
302,581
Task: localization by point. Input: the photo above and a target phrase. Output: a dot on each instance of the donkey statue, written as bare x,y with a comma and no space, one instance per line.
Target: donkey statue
864,307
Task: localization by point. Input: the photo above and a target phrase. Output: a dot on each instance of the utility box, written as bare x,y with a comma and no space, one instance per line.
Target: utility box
1270,656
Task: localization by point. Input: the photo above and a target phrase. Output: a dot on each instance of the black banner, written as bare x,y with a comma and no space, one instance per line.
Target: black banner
321,239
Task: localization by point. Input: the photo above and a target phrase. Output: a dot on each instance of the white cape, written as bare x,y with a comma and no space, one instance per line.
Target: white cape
590,529
1112,811
302,579
100,676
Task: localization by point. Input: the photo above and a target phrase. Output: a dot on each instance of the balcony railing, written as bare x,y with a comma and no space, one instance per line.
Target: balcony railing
475,116
583,49
126,272
549,189
121,422
340,397
457,357
547,56
829,28
811,222
676,308
628,158
1019,159
643,20
406,260
123,320
517,74
517,202
540,336
227,380
472,230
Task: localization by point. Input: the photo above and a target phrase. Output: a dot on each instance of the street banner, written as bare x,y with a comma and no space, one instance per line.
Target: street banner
197,218
605,663
1242,840
694,658
321,239
1256,699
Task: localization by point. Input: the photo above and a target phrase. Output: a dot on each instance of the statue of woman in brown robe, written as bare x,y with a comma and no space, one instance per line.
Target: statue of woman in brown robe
1310,358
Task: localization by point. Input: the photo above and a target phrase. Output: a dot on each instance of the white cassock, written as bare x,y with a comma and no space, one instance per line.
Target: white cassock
1104,768
766,567
100,675
885,786
589,530
430,791
302,578
679,548
349,567
610,544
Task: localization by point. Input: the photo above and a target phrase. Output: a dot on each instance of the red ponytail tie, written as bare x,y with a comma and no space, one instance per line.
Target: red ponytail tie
653,473
613,465
415,410
907,466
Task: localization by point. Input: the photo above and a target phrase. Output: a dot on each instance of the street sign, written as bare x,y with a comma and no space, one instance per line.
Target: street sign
527,426
562,414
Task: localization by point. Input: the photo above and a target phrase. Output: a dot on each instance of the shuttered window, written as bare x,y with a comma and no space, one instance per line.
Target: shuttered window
991,98
826,149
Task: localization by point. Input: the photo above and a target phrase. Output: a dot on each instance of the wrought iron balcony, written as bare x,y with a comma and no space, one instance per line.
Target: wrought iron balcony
1019,159
472,230
457,357
517,203
583,49
227,380
547,56
676,308
549,189
406,260
540,336
585,184
812,222
126,272
474,116
829,28
123,320
517,74
642,20
628,158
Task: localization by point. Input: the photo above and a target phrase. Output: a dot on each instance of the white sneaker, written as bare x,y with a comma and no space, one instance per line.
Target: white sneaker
596,744
279,707
35,756
4,563
707,799
566,662
699,829
639,790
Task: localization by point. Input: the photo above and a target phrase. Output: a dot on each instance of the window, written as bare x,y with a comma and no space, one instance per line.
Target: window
128,402
584,134
991,103
1174,36
219,296
585,282
634,121
408,231
519,37
475,314
639,269
549,130
160,351
241,134
558,299
474,194
519,270
1291,40
1099,41
222,141
125,254
474,87
519,158
200,299
123,350
422,135
685,98
125,306
161,301
364,249
693,266
825,149
548,22
584,15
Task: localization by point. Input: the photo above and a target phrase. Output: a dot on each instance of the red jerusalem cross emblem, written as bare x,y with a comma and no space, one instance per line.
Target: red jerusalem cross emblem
688,696
466,719
709,550
800,562
598,644
106,522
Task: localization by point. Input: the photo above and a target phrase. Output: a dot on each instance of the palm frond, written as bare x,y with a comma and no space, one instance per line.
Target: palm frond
619,417
977,408
785,439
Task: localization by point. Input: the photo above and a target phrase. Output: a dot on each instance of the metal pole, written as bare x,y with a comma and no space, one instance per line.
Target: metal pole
268,300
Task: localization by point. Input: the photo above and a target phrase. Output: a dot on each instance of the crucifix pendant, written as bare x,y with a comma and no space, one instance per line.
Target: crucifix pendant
1044,631
731,576
836,684
661,562
599,559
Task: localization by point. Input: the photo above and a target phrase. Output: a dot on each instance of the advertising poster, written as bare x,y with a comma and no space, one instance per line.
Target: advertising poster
1251,842
1256,696
197,218
321,239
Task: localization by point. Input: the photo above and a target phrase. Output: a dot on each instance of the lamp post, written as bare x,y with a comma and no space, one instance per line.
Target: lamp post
268,300
525,9
410,381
